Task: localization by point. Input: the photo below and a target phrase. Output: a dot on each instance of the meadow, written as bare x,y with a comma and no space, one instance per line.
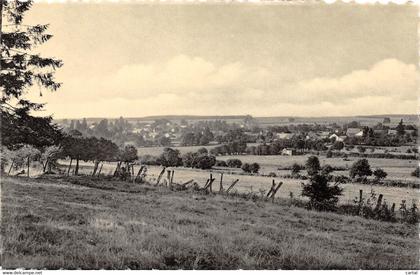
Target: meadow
58,222
258,183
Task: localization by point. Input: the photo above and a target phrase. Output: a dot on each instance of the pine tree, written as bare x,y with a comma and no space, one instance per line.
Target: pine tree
20,69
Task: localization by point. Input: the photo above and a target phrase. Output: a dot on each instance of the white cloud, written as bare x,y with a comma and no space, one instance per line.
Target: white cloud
389,78
193,85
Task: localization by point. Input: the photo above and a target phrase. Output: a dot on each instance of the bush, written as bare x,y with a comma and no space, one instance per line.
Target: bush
322,196
416,172
251,168
221,163
170,157
360,168
255,167
234,163
312,165
272,174
205,161
296,169
246,167
379,174
329,154
197,160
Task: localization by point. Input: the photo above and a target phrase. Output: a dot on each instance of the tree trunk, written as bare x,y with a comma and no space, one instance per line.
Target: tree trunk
95,167
117,169
68,171
28,165
49,167
76,170
100,169
13,162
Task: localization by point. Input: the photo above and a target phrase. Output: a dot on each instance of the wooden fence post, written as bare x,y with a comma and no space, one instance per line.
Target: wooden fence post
275,191
271,189
379,202
221,183
139,172
232,185
160,175
100,169
172,177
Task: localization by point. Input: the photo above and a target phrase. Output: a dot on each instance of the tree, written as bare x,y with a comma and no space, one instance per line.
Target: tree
322,196
170,157
360,168
234,163
338,145
379,174
312,165
254,167
296,169
128,154
416,172
205,161
49,158
400,128
20,69
246,167
25,155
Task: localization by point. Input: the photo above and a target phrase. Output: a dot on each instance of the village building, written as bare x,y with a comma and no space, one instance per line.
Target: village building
285,135
288,152
354,132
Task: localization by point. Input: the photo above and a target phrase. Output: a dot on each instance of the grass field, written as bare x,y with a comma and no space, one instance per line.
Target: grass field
249,183
51,223
397,169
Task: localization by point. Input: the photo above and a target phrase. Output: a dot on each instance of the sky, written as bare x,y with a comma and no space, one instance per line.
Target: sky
136,60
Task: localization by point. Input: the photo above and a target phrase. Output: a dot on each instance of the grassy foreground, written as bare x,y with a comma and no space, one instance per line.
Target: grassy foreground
79,223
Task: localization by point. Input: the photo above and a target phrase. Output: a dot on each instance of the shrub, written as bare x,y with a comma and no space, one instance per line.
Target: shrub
296,169
329,154
379,174
272,174
221,163
170,157
255,167
322,196
416,172
234,163
360,168
246,167
205,161
312,165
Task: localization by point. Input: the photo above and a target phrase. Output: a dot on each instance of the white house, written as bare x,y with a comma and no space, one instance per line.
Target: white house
354,132
284,135
288,152
337,137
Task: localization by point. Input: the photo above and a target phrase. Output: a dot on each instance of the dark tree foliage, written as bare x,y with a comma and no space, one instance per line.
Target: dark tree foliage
20,69
312,165
322,195
360,168
170,157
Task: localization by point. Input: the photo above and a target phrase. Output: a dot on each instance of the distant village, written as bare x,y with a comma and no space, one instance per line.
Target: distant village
290,138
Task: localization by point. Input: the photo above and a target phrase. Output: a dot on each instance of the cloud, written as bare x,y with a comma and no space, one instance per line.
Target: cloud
388,78
194,85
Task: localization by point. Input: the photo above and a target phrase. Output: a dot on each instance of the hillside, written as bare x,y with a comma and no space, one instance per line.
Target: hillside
364,119
75,223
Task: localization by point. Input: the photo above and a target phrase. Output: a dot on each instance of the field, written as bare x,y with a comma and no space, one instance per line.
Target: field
249,183
52,223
